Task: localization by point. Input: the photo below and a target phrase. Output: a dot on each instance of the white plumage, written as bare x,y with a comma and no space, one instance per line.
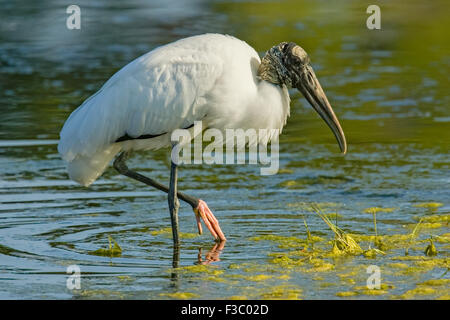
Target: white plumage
210,77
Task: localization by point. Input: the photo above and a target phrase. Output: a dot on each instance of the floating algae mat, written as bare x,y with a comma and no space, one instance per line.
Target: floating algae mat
167,232
335,264
429,205
343,259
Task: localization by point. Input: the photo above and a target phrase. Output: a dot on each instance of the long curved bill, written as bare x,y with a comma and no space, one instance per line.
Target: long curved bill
310,87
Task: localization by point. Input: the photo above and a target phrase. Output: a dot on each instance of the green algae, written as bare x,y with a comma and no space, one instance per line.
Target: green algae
204,273
431,225
285,171
125,278
346,294
365,291
290,241
180,295
436,287
319,265
429,205
373,210
300,258
413,235
319,259
418,292
198,269
436,282
323,206
102,294
342,240
113,250
443,238
291,184
282,292
286,262
316,259
238,298
167,232
378,242
383,287
436,218
397,265
348,277
373,292
259,277
335,250
291,261
327,284
269,291
443,262
372,253
308,233
251,267
386,242
333,215
431,249
418,265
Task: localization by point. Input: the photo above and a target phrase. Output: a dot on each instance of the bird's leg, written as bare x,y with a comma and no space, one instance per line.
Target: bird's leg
174,203
121,167
200,207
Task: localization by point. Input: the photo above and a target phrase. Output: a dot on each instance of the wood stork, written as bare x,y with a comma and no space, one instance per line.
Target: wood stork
217,79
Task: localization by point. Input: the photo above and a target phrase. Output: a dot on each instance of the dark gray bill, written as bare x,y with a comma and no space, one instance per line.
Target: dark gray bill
310,87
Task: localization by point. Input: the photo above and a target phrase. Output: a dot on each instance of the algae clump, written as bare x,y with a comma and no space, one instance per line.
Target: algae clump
343,241
372,253
373,210
168,233
113,250
429,205
283,293
180,295
346,294
431,249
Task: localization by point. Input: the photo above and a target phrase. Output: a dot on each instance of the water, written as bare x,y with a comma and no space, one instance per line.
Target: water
389,89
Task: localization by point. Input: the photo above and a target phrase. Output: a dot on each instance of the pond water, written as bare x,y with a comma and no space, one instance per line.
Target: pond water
389,88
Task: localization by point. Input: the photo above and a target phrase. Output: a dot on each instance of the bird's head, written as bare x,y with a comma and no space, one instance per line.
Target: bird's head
288,64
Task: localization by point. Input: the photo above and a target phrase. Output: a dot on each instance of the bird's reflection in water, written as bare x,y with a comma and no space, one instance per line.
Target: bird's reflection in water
176,256
212,255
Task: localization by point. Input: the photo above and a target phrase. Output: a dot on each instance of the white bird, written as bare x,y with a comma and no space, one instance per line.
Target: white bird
217,79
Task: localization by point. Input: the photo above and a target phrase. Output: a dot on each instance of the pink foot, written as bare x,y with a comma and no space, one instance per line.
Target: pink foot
202,211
